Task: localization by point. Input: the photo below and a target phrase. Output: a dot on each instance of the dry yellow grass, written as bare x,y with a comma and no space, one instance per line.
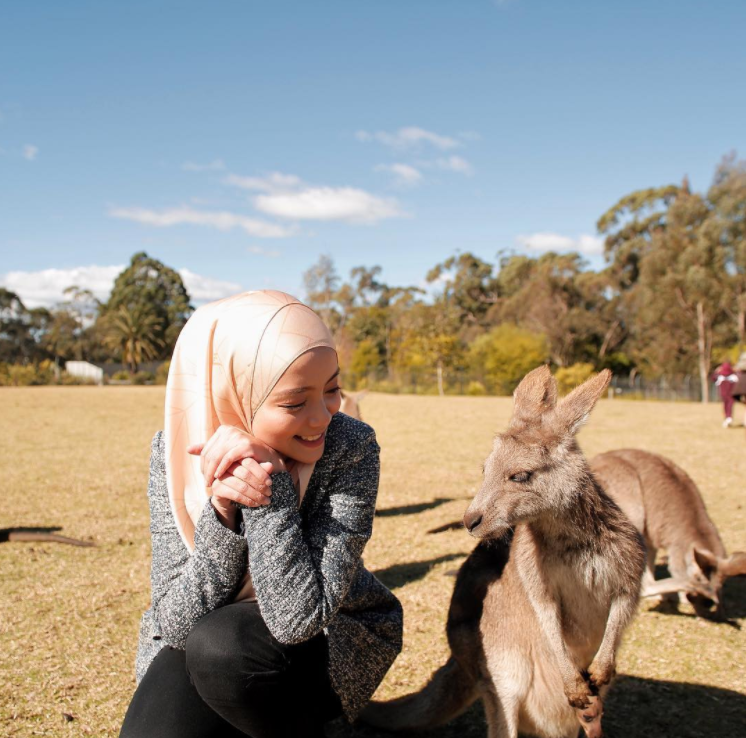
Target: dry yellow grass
77,458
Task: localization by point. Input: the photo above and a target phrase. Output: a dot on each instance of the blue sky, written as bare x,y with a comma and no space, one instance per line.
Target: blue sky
238,141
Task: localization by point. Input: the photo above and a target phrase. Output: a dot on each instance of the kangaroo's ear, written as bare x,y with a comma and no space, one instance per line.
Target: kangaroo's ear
705,560
536,394
734,565
359,396
573,410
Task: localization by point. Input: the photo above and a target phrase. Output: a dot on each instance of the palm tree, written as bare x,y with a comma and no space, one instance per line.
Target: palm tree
132,332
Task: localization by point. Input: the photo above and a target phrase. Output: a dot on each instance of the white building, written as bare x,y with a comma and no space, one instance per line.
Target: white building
85,370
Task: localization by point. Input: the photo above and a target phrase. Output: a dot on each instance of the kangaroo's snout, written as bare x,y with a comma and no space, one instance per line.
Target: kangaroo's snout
472,520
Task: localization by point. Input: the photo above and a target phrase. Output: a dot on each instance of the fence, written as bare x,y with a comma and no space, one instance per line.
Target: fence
420,381
686,388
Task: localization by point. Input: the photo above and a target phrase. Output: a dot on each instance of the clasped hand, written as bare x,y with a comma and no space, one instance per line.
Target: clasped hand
237,466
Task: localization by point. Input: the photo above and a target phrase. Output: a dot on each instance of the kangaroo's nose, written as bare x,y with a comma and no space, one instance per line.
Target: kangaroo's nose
472,521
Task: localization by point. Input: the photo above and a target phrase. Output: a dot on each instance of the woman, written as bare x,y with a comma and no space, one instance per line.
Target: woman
725,379
263,620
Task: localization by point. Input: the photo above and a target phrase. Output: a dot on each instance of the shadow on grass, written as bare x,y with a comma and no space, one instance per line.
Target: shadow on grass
636,708
413,509
400,574
40,534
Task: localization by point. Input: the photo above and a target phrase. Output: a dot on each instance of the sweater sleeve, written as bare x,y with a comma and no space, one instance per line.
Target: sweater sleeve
187,586
302,576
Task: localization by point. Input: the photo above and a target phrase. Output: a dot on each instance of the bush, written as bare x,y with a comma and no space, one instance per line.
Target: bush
121,376
161,373
569,377
26,375
365,358
476,389
505,354
143,378
70,379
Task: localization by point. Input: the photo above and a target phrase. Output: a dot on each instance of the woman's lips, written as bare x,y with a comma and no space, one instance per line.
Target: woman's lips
318,440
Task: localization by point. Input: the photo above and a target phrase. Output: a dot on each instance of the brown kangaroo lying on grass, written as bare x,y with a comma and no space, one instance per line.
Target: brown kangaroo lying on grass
540,605
39,535
665,505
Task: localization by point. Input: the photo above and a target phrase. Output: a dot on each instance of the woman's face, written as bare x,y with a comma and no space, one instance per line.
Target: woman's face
294,418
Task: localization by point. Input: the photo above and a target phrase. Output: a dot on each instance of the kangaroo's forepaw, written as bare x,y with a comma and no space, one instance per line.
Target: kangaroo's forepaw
600,675
590,718
580,695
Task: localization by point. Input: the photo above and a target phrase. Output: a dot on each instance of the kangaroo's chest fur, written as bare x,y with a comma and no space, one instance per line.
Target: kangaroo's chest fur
578,576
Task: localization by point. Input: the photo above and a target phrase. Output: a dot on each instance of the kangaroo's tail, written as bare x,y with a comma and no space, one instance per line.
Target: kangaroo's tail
448,693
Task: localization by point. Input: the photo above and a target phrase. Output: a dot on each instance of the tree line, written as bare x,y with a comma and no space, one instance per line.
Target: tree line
670,300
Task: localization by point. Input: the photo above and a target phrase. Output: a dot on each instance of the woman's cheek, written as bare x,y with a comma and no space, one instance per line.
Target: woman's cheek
334,405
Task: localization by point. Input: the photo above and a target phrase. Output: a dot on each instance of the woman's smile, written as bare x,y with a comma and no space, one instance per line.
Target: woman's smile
311,441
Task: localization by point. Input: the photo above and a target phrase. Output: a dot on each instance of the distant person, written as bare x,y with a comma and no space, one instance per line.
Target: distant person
263,620
725,379
739,387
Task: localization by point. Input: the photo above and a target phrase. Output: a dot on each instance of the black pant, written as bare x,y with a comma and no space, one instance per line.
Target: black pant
234,679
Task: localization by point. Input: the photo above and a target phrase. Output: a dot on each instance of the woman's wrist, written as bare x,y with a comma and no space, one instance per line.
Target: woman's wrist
227,517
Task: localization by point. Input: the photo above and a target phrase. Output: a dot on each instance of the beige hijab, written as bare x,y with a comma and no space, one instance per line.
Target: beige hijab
228,358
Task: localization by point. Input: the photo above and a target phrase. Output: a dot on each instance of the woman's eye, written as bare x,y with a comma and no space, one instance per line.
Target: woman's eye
334,390
521,477
294,407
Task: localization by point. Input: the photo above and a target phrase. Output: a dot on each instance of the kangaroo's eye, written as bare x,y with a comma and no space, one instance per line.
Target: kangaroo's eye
521,477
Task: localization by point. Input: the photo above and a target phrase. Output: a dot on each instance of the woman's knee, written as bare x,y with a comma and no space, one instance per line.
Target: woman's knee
230,649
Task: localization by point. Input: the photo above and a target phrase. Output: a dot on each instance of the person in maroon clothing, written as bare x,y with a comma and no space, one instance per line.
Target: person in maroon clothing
725,378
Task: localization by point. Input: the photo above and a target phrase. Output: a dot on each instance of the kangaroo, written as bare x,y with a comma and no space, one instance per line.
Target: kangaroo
540,605
665,505
351,403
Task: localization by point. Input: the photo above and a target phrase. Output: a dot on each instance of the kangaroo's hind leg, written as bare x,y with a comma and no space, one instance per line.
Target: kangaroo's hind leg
501,715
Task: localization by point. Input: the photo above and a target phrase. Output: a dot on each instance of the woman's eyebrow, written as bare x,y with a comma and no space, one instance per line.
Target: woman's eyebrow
301,390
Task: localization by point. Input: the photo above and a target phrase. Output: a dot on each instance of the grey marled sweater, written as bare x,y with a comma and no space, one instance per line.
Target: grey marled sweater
306,565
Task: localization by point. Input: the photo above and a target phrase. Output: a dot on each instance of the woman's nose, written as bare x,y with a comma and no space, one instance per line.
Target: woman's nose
320,417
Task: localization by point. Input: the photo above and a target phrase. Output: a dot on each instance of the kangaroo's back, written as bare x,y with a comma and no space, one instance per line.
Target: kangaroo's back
675,515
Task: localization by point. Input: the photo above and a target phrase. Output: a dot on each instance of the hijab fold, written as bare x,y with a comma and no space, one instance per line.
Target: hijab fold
227,360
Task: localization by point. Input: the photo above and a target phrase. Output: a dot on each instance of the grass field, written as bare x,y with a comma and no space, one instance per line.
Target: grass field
77,458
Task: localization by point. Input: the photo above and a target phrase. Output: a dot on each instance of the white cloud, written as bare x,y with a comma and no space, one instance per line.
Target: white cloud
404,174
271,183
410,137
45,287
259,251
207,289
328,203
220,219
216,165
455,164
542,242
30,151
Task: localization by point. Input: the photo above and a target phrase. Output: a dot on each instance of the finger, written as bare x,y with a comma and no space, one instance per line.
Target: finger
246,491
237,453
257,475
195,449
225,493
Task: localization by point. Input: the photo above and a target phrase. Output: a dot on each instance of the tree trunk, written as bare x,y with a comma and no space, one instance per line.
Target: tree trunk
607,339
440,379
703,352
